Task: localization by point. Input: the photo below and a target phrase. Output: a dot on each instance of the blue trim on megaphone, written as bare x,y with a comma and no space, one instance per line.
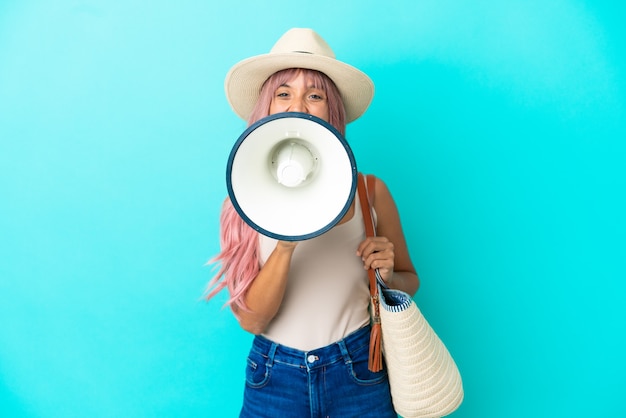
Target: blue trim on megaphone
271,118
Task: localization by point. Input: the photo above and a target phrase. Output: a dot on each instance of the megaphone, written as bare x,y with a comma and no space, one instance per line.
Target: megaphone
291,176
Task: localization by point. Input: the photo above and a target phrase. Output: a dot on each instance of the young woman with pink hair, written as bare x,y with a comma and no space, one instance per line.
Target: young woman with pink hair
307,302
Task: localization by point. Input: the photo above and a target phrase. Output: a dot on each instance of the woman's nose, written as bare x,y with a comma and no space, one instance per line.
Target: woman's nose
297,105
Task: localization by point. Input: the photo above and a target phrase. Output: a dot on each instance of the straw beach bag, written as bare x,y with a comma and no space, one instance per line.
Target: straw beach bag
423,377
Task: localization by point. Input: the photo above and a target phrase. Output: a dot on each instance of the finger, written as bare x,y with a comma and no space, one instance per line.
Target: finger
365,247
380,259
372,245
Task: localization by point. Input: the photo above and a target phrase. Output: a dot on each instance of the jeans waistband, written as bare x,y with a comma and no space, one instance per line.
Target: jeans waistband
343,350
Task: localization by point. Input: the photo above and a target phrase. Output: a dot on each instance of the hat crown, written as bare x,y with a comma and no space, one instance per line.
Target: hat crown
305,41
297,48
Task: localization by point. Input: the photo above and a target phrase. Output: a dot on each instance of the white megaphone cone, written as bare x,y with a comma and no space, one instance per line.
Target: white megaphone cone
291,176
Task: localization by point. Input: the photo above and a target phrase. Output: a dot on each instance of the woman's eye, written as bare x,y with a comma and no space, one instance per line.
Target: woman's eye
282,94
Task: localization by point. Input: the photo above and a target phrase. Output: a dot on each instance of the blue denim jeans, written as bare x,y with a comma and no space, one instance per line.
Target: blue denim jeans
329,382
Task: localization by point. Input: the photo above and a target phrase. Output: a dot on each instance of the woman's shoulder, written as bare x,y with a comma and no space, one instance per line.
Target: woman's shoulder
379,187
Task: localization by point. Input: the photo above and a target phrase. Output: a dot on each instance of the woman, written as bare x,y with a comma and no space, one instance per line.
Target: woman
307,302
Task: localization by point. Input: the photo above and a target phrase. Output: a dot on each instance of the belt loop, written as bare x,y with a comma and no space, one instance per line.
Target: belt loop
344,351
271,353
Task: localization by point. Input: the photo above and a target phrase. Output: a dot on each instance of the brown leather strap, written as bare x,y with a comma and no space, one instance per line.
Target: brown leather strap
368,220
366,204
375,363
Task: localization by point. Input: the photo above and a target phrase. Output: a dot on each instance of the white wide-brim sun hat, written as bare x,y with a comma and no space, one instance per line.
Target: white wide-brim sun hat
297,48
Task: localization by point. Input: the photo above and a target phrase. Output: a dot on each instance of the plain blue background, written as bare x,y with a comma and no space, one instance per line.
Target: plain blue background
498,125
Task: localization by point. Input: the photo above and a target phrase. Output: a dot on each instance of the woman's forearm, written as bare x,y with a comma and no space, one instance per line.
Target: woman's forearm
266,292
406,281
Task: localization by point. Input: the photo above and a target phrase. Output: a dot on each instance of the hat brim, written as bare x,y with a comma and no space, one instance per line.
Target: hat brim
244,80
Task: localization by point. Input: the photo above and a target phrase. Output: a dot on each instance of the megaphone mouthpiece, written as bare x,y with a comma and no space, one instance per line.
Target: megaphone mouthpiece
293,162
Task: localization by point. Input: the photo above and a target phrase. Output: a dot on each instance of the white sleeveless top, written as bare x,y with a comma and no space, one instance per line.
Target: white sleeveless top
327,294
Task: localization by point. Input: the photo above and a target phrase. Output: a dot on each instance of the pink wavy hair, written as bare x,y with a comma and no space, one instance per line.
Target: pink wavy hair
238,259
